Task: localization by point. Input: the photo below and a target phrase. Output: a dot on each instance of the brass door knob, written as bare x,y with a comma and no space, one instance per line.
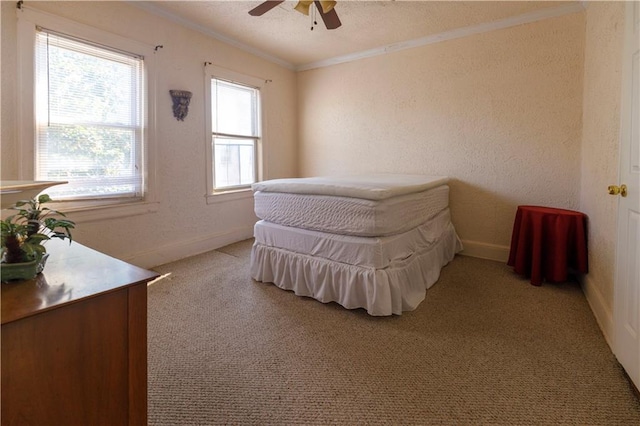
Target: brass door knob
615,190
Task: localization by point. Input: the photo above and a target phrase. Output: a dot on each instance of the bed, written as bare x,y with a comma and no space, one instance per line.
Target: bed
376,242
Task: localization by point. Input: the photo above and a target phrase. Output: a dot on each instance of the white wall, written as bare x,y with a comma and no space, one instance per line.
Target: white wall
8,102
600,150
499,112
525,115
184,224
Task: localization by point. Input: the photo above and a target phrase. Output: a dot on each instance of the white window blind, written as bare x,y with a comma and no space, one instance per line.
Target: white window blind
89,118
235,127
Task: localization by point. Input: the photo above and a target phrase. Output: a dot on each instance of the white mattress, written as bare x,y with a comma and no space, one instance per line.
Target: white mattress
315,264
368,186
370,252
352,216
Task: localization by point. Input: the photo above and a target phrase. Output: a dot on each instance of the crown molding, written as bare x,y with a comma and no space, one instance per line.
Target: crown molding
539,15
513,21
213,34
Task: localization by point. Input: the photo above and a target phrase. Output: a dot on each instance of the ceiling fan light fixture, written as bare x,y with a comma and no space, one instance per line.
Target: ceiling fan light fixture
303,7
325,9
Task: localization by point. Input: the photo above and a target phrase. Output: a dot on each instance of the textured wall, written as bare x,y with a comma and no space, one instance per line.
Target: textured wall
499,112
9,149
184,219
600,146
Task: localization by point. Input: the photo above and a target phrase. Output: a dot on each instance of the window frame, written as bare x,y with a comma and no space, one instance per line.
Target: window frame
89,209
219,73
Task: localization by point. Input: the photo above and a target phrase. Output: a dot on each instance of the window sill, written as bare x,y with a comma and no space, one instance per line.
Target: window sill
96,211
223,197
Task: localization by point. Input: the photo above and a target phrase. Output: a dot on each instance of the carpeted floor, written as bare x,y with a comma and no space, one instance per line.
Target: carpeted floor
485,347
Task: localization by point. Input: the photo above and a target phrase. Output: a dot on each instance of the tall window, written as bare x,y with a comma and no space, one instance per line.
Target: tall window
89,118
236,132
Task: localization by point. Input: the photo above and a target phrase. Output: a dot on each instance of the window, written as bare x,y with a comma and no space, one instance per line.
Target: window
236,132
86,115
89,118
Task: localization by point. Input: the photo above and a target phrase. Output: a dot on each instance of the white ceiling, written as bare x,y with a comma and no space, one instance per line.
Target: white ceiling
284,35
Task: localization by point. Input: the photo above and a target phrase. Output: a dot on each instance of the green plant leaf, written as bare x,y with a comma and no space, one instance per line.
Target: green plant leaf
24,233
37,238
44,198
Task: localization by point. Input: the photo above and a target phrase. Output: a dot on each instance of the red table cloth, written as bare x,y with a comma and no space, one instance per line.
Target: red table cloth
547,242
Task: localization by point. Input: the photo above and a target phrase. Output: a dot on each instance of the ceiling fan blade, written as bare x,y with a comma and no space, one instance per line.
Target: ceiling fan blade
331,20
327,5
264,7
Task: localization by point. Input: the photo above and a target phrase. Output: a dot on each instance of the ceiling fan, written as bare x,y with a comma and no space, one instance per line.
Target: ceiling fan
325,9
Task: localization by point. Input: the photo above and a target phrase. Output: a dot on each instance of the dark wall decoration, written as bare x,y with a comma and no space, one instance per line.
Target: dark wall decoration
181,99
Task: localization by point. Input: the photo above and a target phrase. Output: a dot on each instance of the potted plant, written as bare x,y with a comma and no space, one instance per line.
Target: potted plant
23,236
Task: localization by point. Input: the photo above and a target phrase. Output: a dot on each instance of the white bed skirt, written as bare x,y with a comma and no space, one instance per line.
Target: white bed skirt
391,290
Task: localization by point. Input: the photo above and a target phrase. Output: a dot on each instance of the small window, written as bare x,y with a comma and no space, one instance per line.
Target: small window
89,118
235,134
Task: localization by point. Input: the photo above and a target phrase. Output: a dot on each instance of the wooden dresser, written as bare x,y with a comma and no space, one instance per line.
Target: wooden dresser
74,342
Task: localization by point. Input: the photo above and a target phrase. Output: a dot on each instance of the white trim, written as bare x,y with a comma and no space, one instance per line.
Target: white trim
93,214
212,71
82,31
25,115
223,197
183,249
526,18
603,315
551,12
234,76
485,251
209,32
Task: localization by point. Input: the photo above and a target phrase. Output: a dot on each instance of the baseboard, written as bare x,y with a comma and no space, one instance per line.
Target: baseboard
182,249
601,312
485,251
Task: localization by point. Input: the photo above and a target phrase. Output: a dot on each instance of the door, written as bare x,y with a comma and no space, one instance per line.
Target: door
627,281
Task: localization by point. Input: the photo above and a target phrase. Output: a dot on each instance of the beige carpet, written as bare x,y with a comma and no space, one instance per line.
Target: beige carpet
485,347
